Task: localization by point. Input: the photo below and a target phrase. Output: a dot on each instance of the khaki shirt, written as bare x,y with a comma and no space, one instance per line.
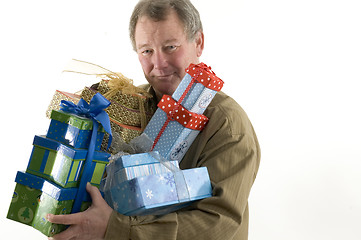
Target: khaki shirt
229,148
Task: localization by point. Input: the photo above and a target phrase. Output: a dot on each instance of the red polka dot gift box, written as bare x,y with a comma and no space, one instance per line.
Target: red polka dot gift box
178,119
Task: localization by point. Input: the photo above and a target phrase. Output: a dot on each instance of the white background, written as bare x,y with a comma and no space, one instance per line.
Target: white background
294,66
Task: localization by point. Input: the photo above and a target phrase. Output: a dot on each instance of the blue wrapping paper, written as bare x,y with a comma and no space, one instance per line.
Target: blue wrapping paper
158,194
63,129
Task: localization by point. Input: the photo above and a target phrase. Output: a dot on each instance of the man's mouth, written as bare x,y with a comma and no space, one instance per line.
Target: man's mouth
165,77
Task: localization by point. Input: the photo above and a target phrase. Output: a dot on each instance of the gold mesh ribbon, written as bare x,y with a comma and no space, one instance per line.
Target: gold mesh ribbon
57,97
117,83
117,111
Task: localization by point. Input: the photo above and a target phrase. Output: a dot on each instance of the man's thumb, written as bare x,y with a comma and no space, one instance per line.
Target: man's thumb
94,193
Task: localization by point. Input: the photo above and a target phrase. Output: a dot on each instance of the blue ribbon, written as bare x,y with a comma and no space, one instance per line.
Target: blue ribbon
95,111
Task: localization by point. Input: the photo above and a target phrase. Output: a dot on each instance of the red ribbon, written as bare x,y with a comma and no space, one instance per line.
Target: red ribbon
177,112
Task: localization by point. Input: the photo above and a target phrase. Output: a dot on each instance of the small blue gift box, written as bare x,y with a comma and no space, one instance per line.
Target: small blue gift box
193,94
142,170
127,167
73,130
134,160
160,193
63,164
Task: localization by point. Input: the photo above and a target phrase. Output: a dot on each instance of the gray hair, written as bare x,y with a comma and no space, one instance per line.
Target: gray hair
158,11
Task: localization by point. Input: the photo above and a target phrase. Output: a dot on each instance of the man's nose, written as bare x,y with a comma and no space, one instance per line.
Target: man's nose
160,60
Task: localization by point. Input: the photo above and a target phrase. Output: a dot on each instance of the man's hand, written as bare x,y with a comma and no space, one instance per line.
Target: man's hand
90,224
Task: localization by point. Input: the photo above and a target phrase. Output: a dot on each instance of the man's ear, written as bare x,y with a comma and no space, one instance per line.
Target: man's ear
199,43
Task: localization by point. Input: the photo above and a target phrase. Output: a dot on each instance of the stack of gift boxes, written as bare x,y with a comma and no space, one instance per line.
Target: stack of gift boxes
144,183
172,129
54,172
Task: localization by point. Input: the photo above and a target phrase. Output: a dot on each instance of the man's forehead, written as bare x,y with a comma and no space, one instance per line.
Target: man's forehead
165,31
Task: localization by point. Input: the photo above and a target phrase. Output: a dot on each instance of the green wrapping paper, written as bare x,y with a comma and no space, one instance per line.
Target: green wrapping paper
35,197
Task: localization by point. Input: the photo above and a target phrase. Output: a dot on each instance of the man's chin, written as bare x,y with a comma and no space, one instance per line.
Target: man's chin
166,87
166,92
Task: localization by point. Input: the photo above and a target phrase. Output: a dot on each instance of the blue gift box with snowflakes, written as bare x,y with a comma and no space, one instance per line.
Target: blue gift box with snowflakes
131,160
127,167
160,193
63,164
178,119
34,197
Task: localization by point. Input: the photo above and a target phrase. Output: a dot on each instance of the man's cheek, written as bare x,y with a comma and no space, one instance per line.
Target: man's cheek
146,65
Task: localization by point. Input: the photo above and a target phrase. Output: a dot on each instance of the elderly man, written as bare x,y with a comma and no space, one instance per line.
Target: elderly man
167,36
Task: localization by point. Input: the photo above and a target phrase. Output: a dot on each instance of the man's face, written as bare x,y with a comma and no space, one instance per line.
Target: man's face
165,52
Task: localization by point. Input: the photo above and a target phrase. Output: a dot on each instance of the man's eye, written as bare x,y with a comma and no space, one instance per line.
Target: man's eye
171,47
146,52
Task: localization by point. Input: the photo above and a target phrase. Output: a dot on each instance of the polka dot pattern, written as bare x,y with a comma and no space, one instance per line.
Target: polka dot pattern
180,114
204,75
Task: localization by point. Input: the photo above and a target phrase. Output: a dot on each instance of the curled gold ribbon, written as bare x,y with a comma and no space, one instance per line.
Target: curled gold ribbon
117,83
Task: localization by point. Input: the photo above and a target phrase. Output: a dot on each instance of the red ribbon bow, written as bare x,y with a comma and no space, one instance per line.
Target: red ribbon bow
203,74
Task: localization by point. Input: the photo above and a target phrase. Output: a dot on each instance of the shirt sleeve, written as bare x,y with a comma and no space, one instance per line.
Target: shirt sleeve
228,147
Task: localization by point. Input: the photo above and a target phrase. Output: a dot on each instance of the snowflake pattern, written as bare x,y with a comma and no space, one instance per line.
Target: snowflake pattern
169,180
149,194
161,178
179,150
115,206
205,100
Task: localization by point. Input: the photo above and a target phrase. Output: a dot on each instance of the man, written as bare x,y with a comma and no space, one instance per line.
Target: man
167,36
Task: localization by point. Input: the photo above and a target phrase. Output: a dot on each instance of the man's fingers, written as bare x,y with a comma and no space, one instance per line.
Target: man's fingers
94,194
76,218
69,233
87,224
67,219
